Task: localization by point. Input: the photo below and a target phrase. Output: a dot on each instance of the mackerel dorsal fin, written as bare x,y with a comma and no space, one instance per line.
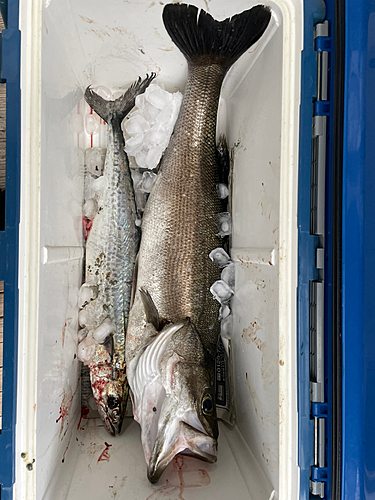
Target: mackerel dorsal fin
152,315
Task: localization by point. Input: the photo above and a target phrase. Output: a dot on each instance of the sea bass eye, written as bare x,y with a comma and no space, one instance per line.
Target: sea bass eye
207,405
112,402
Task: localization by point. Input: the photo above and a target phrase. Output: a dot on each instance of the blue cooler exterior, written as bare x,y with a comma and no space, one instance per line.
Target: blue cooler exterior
10,72
358,246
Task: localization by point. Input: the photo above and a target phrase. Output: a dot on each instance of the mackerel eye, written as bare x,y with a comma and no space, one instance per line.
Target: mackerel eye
113,402
207,405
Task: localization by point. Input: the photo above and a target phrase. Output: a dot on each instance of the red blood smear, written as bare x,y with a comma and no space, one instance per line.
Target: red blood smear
98,387
105,456
87,225
66,449
64,410
63,334
84,413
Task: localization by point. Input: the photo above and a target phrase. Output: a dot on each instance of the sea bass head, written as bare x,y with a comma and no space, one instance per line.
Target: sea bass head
173,398
110,395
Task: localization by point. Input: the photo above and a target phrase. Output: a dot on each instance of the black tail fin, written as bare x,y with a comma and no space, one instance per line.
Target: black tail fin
118,109
225,41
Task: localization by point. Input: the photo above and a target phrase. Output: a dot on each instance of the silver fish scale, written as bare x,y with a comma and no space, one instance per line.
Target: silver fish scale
179,227
112,245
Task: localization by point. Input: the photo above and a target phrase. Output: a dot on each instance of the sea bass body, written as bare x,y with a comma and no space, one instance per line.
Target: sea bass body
111,251
173,324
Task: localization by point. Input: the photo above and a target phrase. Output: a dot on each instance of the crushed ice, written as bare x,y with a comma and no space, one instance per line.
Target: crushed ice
149,127
224,311
221,291
103,331
228,274
147,181
86,350
222,191
226,327
86,294
220,257
224,224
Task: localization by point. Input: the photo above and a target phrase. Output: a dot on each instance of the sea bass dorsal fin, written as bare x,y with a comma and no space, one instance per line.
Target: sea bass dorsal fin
204,40
118,109
152,315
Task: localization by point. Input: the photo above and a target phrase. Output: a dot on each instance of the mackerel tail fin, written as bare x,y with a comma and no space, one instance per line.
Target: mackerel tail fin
203,40
118,109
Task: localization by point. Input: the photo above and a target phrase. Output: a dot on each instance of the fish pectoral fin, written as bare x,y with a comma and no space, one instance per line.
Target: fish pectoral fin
152,315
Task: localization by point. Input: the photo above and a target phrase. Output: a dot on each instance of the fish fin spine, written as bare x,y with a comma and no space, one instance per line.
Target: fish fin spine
118,109
203,40
152,314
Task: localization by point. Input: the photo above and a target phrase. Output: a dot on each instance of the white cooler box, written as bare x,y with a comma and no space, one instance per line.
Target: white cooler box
67,45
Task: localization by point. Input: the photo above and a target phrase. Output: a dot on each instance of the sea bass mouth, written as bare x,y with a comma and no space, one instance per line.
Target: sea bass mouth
185,438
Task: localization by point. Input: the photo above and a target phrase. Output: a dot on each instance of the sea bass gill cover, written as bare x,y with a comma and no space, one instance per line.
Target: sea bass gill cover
173,324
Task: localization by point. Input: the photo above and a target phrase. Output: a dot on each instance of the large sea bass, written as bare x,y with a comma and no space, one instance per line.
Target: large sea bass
173,323
111,251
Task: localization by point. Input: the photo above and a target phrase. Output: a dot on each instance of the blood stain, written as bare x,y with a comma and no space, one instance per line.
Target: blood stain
66,449
66,404
183,475
105,456
87,225
84,413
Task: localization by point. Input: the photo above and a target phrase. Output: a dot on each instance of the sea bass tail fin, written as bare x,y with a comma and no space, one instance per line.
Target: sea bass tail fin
204,40
118,109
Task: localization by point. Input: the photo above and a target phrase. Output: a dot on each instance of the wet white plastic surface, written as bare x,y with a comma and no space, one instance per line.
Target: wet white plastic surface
105,43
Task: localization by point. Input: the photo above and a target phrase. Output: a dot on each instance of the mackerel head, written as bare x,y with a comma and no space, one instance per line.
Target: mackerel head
173,324
111,251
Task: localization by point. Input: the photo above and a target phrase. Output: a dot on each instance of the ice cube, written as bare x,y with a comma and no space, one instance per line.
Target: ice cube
222,191
148,179
86,350
136,125
165,116
90,208
134,144
220,257
224,311
140,158
77,124
156,136
228,274
140,101
140,199
151,113
95,160
224,224
153,157
99,185
226,327
92,123
86,317
221,291
103,331
86,294
82,334
136,176
104,92
157,97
